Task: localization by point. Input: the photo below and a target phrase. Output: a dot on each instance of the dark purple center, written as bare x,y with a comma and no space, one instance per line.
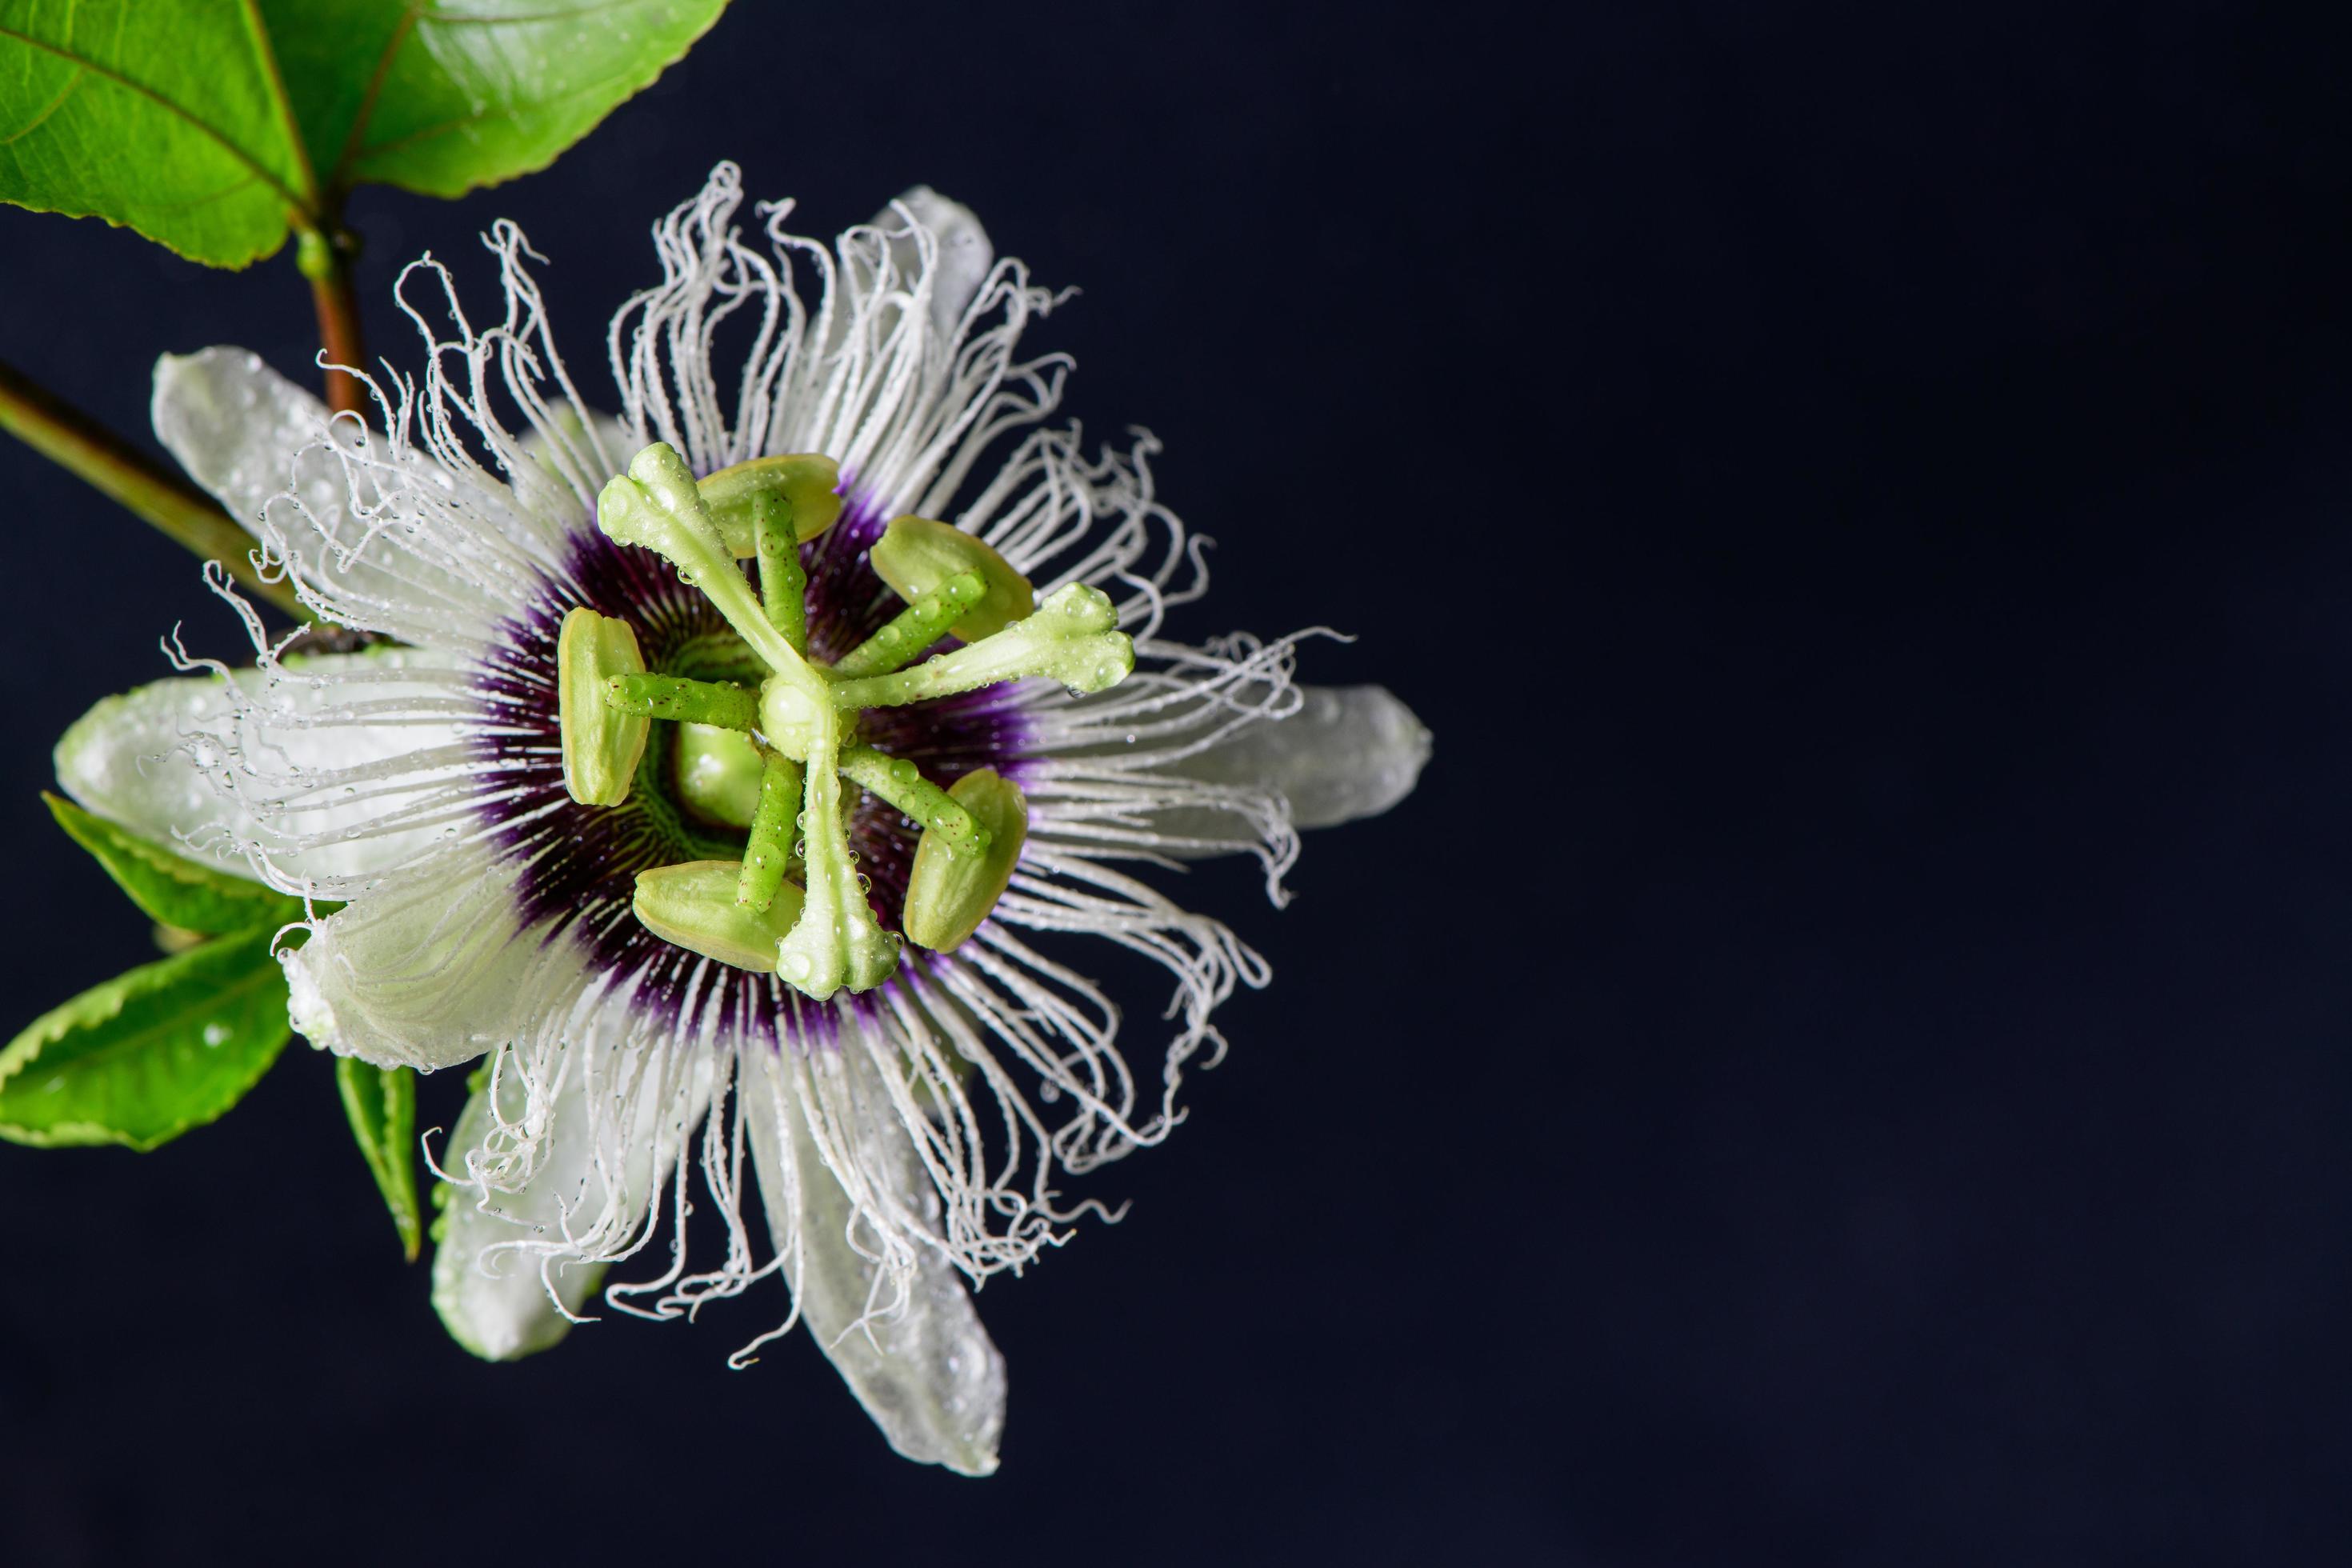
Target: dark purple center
580,863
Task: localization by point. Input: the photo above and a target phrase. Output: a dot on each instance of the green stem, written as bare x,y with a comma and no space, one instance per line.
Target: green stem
75,441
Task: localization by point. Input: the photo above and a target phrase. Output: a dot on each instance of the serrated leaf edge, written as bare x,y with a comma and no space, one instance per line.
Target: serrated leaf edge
51,1026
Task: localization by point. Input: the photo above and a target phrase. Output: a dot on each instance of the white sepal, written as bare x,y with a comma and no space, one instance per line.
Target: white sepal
1348,751
885,1306
432,967
563,1180
178,761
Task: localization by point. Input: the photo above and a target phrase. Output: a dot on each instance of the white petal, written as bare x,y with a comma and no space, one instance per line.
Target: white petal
249,434
492,1267
1348,751
928,1374
965,254
134,759
430,967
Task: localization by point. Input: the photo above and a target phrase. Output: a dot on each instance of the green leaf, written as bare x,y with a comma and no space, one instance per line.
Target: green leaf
171,888
211,126
149,1054
382,1104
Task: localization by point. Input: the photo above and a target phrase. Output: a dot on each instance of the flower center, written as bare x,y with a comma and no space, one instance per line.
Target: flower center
780,753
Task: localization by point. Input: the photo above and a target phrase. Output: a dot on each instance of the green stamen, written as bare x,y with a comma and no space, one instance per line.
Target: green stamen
770,848
1069,639
694,906
601,743
899,782
783,587
803,482
948,893
915,554
913,629
719,702
655,504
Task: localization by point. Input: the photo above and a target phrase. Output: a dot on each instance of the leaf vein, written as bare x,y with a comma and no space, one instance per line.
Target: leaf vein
73,81
128,84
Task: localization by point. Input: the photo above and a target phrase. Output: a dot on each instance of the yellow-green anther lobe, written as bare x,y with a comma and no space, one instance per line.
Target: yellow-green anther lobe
899,782
915,554
601,743
804,482
1069,639
718,773
694,906
913,629
948,893
765,856
783,587
719,702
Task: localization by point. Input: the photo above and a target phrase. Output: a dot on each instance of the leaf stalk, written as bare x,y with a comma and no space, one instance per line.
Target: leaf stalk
75,441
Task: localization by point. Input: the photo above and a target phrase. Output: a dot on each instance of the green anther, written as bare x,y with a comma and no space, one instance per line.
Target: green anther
1069,639
899,782
656,505
948,893
915,555
783,587
719,702
913,629
804,482
835,942
770,848
601,743
716,774
694,906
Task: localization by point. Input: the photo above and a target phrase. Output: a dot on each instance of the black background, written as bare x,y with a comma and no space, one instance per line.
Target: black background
1841,1061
